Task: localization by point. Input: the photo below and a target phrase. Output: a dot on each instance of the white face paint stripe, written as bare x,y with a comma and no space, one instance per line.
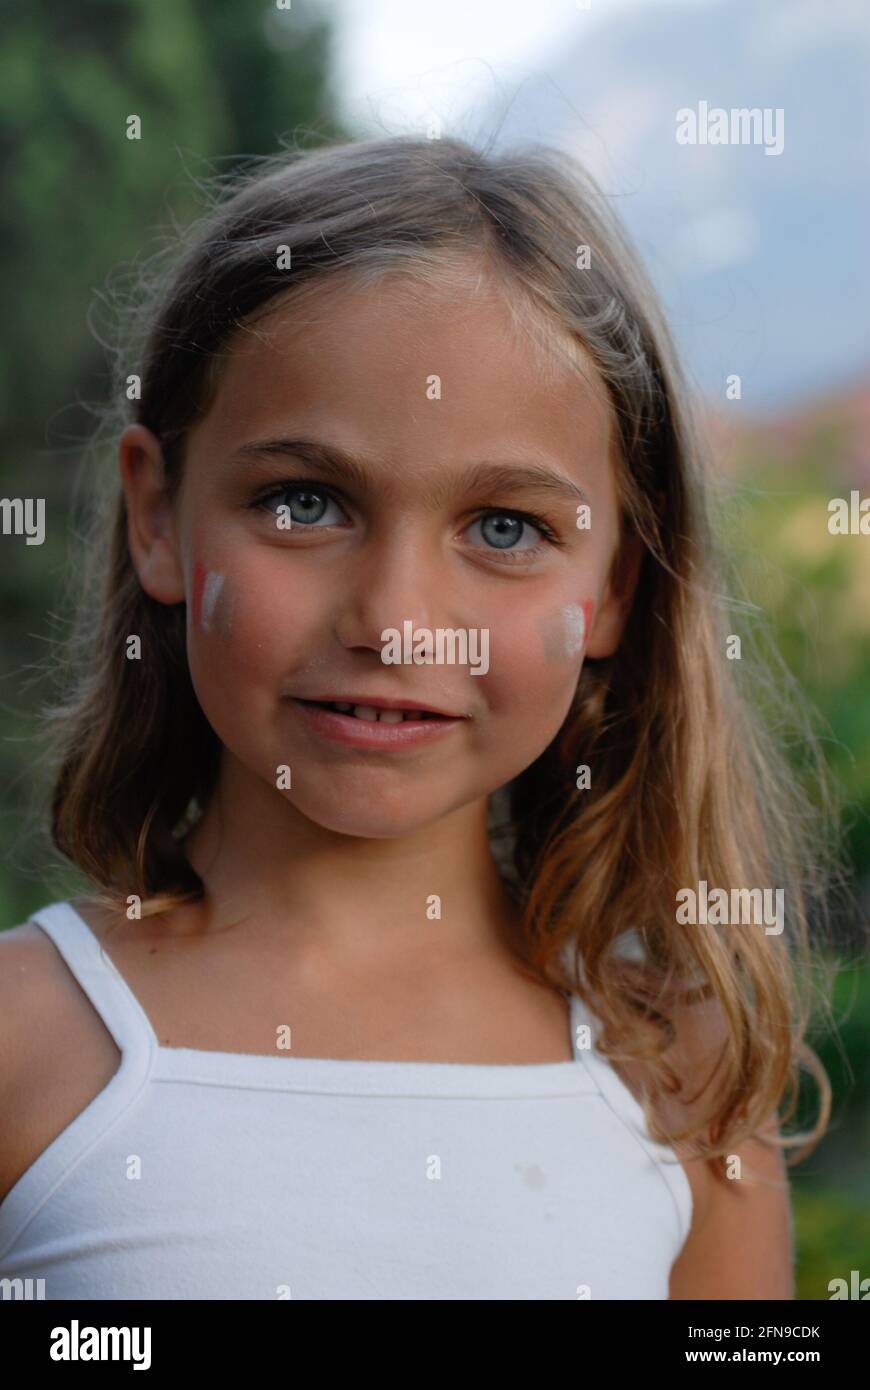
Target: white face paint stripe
210,595
574,628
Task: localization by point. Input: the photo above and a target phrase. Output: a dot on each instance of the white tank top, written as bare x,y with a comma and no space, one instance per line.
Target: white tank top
224,1175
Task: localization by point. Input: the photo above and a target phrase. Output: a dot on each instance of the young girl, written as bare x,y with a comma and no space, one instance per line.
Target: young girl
406,730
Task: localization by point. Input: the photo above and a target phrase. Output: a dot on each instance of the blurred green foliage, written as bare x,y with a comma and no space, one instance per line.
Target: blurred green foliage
211,76
813,589
833,1238
212,81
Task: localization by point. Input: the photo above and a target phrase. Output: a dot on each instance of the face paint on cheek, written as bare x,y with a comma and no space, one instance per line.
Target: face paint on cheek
213,601
565,634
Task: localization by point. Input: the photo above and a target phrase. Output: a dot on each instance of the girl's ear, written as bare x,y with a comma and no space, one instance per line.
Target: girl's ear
150,518
617,599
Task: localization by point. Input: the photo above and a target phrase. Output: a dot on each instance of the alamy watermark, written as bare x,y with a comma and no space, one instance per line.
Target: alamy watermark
24,1289
742,907
850,518
855,1288
446,646
18,519
741,125
76,1343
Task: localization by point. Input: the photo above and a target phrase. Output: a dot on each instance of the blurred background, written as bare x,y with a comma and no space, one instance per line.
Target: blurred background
761,262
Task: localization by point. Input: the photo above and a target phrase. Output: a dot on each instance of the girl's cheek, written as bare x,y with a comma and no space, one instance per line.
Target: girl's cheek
233,615
536,657
242,620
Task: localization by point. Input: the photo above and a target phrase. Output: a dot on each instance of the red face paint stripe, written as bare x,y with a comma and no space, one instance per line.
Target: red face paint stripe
588,606
198,586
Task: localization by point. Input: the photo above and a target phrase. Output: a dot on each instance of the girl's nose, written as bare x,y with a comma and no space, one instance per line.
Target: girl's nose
398,581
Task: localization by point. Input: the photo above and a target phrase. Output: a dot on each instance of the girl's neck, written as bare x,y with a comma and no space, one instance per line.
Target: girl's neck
261,860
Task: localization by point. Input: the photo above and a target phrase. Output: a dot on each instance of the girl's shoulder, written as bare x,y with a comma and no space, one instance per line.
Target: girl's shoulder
740,1243
35,985
55,1052
35,979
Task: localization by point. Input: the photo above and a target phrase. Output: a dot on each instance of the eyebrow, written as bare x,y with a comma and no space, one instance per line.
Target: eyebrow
337,463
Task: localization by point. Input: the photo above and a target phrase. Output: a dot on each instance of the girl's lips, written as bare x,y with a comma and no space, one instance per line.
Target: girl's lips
365,733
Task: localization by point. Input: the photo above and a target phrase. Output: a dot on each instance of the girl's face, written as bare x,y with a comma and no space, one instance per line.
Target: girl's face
399,464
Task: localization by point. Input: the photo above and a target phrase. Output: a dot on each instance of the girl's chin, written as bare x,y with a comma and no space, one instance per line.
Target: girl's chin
369,822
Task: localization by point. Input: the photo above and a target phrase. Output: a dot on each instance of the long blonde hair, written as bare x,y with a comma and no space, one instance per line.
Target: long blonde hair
686,784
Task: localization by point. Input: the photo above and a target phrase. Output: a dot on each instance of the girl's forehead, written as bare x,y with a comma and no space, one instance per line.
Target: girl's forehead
396,359
473,323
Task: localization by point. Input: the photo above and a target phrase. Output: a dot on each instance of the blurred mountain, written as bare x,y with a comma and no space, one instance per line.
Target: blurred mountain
761,259
833,427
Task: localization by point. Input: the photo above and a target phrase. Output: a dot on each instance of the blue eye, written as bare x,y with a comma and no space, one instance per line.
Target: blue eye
309,506
503,530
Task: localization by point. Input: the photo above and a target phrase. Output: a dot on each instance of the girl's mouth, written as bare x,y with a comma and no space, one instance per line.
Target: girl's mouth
373,713
364,726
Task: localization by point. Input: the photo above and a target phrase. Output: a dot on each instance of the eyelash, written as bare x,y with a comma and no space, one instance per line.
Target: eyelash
311,485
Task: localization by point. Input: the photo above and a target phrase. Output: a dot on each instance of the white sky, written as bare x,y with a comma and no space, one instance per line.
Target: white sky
398,61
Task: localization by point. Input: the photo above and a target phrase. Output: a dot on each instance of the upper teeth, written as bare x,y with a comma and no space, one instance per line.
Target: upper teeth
382,716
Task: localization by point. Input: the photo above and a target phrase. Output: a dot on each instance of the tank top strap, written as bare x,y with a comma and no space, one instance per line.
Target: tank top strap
99,977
